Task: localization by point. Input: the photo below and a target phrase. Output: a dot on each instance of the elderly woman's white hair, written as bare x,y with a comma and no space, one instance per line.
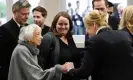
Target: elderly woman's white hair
26,32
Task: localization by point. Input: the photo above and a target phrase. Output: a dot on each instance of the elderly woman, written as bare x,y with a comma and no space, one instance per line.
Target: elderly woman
108,54
126,23
24,63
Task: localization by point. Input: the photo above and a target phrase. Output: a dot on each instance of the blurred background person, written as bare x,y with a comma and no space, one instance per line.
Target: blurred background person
24,62
58,46
110,9
102,5
70,10
77,19
78,24
120,9
78,8
87,10
39,16
9,34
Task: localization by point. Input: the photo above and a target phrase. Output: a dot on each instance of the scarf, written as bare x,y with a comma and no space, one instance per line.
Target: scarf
33,49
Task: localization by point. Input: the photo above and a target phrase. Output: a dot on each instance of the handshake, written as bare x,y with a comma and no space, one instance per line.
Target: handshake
67,66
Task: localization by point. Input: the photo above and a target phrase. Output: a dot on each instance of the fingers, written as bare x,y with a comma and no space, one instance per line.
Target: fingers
69,65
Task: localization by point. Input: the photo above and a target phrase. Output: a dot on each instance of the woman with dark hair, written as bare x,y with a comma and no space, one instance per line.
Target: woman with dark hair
58,46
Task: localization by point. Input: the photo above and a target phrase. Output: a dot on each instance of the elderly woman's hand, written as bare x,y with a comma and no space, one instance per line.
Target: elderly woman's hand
67,66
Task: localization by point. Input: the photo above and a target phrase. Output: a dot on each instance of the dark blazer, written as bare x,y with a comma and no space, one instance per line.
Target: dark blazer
45,29
8,40
131,35
108,56
113,22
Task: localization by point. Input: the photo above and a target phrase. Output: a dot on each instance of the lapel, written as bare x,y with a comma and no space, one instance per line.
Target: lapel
109,19
13,29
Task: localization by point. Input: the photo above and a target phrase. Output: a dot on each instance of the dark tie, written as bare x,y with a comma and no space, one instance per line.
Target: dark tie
21,26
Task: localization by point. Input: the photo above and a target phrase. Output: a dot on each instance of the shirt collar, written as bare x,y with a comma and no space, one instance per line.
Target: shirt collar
107,17
16,22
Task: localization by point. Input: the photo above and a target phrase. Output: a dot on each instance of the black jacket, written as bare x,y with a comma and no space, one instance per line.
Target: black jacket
9,33
131,35
45,29
49,45
108,56
8,40
113,22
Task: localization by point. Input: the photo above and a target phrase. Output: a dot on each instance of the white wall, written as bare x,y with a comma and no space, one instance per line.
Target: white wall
129,2
53,7
9,9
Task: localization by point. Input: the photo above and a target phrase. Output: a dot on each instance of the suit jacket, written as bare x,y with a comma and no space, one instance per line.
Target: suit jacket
108,56
8,40
113,22
131,35
45,29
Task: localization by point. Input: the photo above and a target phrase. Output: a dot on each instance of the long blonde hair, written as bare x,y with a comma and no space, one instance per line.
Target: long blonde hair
96,17
127,19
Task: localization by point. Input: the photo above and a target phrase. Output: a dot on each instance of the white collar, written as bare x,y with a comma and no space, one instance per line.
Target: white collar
16,22
107,17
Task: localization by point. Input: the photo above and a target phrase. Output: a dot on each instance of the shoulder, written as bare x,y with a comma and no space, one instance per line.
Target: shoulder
48,38
48,35
95,40
100,37
114,18
8,23
20,50
6,26
125,33
115,35
46,26
125,29
4,30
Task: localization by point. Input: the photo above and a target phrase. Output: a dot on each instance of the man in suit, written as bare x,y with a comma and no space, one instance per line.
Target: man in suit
102,5
110,8
39,16
108,54
9,34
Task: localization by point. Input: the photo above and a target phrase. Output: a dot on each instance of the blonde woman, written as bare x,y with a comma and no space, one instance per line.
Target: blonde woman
126,23
108,53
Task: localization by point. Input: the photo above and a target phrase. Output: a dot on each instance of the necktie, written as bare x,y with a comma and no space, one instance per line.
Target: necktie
21,26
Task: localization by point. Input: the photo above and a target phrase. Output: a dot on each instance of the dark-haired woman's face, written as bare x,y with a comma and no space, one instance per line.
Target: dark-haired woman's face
62,26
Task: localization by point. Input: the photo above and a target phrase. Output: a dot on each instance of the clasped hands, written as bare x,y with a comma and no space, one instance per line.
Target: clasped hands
67,66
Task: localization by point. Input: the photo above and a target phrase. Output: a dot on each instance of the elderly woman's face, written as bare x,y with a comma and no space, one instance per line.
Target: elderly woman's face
62,26
37,37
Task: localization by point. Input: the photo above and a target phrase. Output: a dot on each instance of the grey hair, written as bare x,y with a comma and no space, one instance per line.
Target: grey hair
26,32
21,4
